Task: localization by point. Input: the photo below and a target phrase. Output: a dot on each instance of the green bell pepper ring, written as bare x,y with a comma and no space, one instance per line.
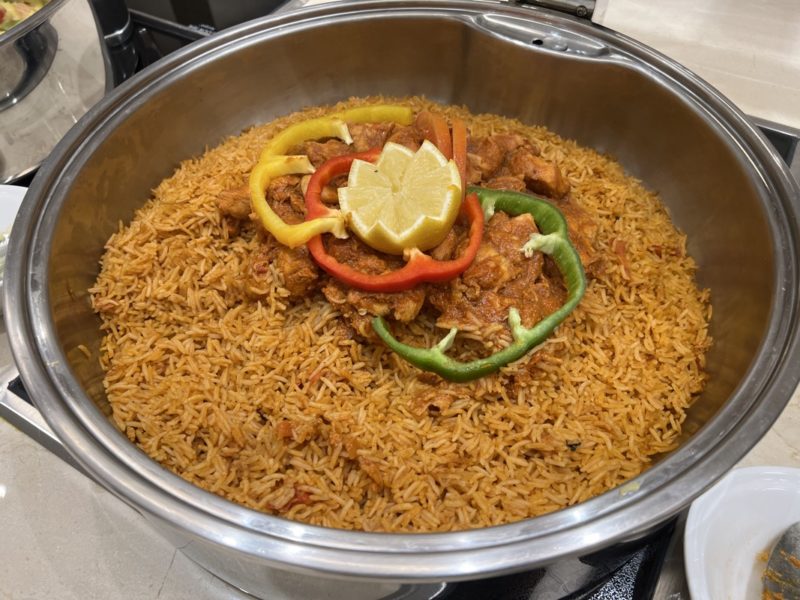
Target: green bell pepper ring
553,240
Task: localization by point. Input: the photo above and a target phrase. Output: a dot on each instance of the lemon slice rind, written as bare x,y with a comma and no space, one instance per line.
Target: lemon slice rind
405,200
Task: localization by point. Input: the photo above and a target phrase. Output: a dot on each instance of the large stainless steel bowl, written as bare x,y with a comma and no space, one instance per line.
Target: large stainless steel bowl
724,186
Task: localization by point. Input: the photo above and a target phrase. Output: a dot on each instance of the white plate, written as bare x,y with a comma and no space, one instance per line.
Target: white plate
731,524
10,200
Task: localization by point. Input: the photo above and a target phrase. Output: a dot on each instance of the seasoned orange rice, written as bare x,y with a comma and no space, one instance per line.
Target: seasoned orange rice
202,376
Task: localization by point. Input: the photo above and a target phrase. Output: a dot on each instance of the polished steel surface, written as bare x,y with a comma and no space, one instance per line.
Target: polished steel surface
26,53
724,186
36,20
579,8
24,63
51,72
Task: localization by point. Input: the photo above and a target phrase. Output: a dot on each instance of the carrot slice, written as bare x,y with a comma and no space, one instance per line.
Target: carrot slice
460,150
435,129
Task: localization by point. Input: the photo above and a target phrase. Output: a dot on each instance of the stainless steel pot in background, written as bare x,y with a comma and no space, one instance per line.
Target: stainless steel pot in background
724,186
51,72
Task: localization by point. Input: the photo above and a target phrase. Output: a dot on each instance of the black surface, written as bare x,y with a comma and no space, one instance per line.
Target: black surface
785,144
617,575
15,387
112,17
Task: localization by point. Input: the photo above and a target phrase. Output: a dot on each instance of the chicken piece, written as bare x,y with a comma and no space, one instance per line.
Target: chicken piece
329,193
300,273
582,227
511,141
507,182
372,469
540,176
500,277
351,251
446,250
367,136
481,166
486,154
286,198
321,152
403,306
358,306
257,276
582,233
235,202
411,137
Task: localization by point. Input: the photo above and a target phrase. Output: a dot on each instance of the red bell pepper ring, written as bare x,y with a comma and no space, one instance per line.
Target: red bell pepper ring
419,268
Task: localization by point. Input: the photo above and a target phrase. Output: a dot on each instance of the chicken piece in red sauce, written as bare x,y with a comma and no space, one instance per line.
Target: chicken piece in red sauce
501,277
485,155
359,306
298,271
321,152
283,195
410,136
583,231
286,198
235,203
540,176
508,183
509,162
367,136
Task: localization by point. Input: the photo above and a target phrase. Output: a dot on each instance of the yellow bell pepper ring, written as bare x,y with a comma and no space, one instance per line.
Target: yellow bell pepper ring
274,163
311,129
377,113
335,126
289,235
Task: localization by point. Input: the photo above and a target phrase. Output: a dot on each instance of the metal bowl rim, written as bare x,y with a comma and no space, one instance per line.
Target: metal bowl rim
573,524
35,20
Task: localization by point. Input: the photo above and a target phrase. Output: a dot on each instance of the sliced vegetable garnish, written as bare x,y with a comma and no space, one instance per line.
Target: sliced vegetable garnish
554,241
405,200
304,131
460,150
419,268
435,129
289,235
378,113
274,162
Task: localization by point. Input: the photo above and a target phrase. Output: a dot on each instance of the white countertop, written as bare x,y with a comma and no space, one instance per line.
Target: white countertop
65,537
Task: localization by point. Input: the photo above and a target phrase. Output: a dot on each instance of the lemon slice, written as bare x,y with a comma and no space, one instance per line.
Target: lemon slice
405,200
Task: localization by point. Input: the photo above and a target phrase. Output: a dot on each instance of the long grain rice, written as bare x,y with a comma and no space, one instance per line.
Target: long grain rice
202,377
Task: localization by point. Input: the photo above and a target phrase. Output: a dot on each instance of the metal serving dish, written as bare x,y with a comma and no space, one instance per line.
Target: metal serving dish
51,71
724,186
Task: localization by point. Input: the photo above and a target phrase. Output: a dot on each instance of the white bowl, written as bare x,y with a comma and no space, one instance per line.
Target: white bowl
731,524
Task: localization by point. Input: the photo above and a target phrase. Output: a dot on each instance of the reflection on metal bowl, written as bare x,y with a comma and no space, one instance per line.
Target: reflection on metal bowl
721,181
25,62
51,73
